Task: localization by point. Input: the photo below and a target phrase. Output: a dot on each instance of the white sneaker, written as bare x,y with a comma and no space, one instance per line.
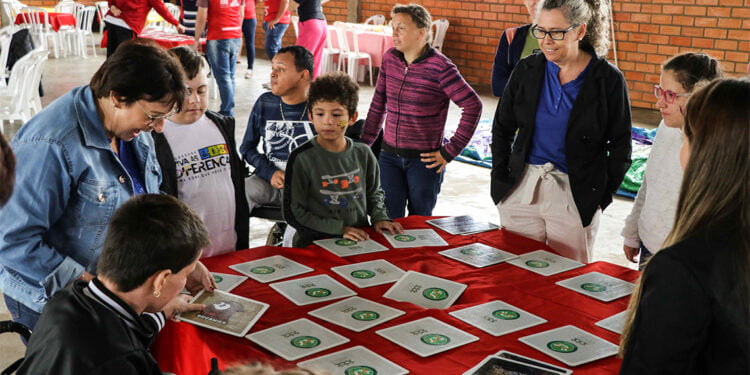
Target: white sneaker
249,74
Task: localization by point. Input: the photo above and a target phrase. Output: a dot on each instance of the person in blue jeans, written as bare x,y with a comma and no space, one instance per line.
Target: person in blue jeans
248,32
275,23
78,160
224,40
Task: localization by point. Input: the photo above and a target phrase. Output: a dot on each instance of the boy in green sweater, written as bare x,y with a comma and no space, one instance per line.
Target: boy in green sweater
332,183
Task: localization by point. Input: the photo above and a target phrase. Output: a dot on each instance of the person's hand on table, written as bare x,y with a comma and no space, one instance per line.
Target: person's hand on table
199,279
180,29
434,160
630,252
180,304
355,234
115,10
390,226
277,180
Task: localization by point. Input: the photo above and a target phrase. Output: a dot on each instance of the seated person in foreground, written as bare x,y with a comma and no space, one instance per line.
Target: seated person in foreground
106,325
332,183
200,164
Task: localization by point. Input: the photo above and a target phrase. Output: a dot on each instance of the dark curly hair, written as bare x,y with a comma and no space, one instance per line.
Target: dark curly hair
690,68
334,87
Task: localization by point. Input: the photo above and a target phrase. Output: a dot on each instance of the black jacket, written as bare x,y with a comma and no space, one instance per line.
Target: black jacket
597,142
239,172
694,311
78,335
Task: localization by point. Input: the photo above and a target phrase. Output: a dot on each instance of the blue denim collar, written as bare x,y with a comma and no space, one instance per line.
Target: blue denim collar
91,125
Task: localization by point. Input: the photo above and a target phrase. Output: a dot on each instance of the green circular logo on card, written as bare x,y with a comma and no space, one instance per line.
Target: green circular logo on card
218,278
471,251
318,292
305,342
435,339
263,270
345,242
360,370
435,294
365,315
506,314
593,287
363,274
404,237
537,263
562,346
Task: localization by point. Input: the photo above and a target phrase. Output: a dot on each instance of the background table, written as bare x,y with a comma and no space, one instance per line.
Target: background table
373,40
186,349
169,40
56,20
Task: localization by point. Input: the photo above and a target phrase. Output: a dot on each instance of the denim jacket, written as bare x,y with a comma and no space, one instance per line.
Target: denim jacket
69,183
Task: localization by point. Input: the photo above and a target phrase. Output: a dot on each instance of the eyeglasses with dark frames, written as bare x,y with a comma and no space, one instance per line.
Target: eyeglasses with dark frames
538,33
669,96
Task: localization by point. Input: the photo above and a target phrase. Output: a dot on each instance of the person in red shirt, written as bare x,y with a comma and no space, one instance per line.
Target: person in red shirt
224,40
126,19
275,23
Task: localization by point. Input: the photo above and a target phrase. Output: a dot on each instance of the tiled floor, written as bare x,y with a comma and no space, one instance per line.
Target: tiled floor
464,191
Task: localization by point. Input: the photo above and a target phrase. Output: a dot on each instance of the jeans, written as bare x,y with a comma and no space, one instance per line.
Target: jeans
222,57
248,31
645,255
273,38
20,313
408,183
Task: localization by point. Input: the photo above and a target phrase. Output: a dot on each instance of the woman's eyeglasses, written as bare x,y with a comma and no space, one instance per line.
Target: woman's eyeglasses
155,119
669,96
538,33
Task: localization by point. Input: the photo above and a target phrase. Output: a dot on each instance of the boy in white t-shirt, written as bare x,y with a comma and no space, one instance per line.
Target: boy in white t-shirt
200,164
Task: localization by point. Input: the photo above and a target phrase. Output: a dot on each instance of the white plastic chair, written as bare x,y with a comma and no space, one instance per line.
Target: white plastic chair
10,10
84,23
102,7
438,36
328,53
18,102
66,7
351,54
37,19
163,25
377,19
6,36
295,25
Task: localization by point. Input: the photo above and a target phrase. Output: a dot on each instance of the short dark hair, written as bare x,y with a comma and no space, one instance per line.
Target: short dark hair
148,234
192,62
7,171
419,14
334,87
692,67
140,70
303,58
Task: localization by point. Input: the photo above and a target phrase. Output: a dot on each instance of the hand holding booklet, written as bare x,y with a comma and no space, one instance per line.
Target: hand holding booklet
225,312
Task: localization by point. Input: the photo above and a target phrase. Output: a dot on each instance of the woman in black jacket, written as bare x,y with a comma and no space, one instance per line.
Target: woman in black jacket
571,112
691,311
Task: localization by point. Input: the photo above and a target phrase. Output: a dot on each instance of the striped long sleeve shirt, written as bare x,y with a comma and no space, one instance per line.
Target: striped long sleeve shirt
414,101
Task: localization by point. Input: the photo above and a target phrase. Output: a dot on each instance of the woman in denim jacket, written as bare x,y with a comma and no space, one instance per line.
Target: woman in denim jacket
78,160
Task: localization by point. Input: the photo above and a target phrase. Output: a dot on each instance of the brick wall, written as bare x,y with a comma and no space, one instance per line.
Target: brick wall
647,31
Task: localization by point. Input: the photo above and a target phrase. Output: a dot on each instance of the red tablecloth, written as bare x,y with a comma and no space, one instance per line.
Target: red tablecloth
56,20
373,42
169,40
186,349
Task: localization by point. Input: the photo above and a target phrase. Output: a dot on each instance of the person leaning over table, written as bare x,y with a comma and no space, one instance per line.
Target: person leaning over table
515,44
126,18
415,85
106,325
571,110
690,313
79,159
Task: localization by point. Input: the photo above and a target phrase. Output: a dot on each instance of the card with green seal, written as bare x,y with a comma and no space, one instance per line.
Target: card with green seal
312,289
356,313
297,339
427,336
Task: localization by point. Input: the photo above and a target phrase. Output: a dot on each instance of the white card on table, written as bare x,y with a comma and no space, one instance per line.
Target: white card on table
615,323
570,345
415,238
356,313
269,269
354,361
462,225
545,263
478,255
427,336
297,339
345,247
227,282
494,365
312,289
225,312
367,274
425,290
497,317
534,362
598,285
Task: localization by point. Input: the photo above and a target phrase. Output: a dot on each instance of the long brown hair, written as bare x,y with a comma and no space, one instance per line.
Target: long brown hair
715,191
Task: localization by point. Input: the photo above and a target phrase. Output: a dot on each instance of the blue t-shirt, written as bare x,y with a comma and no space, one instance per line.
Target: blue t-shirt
552,115
127,158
